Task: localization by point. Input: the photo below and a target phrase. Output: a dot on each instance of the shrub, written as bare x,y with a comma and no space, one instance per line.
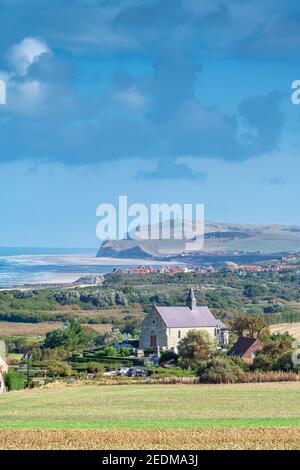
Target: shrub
14,380
167,356
285,363
219,370
95,368
59,368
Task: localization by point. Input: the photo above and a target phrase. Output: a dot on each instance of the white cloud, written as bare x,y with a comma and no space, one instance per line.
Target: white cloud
21,56
130,97
26,97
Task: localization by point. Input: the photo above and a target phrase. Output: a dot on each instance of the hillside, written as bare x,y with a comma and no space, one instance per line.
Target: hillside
219,237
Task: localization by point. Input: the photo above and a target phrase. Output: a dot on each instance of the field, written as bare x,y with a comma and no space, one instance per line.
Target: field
39,329
27,329
292,328
153,416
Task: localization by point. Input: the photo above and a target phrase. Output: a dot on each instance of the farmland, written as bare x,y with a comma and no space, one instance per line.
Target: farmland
39,329
145,416
27,329
292,328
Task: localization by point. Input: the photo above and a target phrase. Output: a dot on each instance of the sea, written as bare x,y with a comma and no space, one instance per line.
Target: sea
25,266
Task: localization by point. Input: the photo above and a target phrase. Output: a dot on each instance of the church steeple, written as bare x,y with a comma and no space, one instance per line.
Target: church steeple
191,300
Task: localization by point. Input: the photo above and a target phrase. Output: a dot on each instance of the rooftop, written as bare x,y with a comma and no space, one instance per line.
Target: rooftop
184,317
243,344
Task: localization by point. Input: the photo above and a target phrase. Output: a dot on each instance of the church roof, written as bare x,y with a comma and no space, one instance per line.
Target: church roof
184,317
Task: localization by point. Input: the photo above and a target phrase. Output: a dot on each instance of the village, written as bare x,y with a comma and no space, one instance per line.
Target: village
167,345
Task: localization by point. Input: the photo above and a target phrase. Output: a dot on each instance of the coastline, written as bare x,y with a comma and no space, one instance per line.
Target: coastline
56,271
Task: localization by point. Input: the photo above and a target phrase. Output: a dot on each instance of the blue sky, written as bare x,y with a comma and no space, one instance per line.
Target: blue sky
161,100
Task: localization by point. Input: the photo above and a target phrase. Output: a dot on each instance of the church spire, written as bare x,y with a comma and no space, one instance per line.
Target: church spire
191,300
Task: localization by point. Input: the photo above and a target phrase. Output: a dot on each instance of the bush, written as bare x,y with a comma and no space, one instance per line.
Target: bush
95,368
14,380
167,356
285,363
59,368
219,370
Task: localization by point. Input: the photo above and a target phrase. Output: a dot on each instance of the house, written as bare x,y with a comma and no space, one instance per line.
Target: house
165,326
246,348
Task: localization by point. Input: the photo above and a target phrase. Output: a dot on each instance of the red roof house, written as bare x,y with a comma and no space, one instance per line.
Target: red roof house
246,348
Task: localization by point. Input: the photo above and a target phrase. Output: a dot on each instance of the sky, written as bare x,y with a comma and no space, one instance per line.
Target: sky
161,100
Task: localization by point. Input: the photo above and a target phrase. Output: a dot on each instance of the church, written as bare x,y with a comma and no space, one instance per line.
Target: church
165,326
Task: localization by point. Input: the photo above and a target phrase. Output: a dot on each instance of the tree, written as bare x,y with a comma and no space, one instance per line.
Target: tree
254,291
70,337
276,354
251,326
196,345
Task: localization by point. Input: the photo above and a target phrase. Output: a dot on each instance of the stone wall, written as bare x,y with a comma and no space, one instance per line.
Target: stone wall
153,325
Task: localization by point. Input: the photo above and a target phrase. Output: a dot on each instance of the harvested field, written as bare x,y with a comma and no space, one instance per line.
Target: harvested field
40,329
292,328
100,328
27,329
173,439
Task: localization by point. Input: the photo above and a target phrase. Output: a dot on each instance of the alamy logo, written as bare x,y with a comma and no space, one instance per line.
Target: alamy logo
164,221
2,92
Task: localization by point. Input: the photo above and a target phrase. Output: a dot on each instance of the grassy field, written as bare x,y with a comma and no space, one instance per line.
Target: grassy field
145,416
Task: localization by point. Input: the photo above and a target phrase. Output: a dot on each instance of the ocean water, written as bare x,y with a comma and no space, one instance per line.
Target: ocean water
19,266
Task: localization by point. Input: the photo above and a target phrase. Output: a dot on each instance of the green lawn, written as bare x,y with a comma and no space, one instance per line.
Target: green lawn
152,406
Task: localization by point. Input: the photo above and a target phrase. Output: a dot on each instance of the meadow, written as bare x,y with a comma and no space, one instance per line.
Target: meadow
153,416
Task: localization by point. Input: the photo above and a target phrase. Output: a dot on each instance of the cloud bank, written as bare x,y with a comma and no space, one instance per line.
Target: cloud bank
148,108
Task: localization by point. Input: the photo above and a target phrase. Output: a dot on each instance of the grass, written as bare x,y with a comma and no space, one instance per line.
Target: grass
245,416
152,406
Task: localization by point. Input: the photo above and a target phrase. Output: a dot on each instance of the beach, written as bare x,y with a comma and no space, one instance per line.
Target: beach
24,270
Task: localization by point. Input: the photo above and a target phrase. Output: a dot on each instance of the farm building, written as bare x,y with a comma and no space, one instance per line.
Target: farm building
165,326
246,348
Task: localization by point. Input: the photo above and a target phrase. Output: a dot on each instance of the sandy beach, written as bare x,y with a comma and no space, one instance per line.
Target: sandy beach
29,271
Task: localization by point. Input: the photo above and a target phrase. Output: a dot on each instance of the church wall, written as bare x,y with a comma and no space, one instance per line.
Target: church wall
153,324
174,333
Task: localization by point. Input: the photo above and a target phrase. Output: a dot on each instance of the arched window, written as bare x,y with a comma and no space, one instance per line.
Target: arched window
179,334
